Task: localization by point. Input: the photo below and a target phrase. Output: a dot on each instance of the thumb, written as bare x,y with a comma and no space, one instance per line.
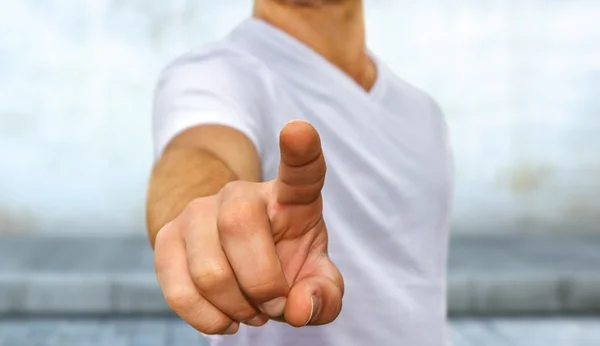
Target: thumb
302,167
316,299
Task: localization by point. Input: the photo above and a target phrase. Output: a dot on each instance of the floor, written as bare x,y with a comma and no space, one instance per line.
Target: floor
173,332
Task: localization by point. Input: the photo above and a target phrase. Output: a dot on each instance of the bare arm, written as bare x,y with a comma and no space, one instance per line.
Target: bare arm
197,163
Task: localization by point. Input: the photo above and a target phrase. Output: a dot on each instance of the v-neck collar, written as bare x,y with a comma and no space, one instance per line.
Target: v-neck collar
268,41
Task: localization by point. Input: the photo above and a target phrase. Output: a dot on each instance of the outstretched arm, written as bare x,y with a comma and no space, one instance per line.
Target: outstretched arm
197,163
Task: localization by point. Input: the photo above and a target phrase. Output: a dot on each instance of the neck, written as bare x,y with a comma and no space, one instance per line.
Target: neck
333,29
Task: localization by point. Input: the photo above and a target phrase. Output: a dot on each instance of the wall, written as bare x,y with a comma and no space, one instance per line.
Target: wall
519,81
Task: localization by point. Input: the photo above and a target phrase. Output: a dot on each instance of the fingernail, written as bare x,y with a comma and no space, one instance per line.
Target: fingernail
275,307
257,321
232,329
315,302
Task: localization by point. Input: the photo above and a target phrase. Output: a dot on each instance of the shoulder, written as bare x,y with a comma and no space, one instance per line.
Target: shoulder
216,84
219,68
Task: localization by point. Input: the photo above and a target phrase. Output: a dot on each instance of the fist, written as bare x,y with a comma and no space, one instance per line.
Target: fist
255,251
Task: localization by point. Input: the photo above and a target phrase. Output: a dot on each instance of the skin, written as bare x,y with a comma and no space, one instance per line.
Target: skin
230,248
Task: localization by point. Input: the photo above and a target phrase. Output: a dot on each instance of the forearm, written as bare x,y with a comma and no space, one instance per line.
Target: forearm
178,177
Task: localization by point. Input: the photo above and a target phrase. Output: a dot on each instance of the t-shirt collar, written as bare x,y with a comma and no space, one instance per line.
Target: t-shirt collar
289,55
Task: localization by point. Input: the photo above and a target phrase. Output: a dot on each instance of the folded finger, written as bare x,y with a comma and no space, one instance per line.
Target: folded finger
178,288
210,270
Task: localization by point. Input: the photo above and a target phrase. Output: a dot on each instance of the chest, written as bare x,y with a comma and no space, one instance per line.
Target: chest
387,160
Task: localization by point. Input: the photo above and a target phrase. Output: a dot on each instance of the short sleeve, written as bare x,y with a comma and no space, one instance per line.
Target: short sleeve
217,88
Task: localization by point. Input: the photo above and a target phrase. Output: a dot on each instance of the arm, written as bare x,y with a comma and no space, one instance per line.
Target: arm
197,163
215,239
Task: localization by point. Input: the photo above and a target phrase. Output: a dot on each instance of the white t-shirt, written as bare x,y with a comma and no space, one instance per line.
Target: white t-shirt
388,189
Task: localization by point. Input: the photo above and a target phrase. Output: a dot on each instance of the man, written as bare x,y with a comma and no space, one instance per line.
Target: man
252,246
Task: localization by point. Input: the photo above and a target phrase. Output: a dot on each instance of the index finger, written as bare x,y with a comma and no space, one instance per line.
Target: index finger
302,168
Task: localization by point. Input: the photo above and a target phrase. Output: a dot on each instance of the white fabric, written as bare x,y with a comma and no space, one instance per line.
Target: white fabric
388,190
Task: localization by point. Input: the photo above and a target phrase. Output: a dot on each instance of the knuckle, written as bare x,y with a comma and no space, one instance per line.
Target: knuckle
165,232
211,276
232,186
235,216
195,207
180,299
194,213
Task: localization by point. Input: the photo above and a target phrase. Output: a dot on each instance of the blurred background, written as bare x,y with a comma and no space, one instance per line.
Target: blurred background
519,82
